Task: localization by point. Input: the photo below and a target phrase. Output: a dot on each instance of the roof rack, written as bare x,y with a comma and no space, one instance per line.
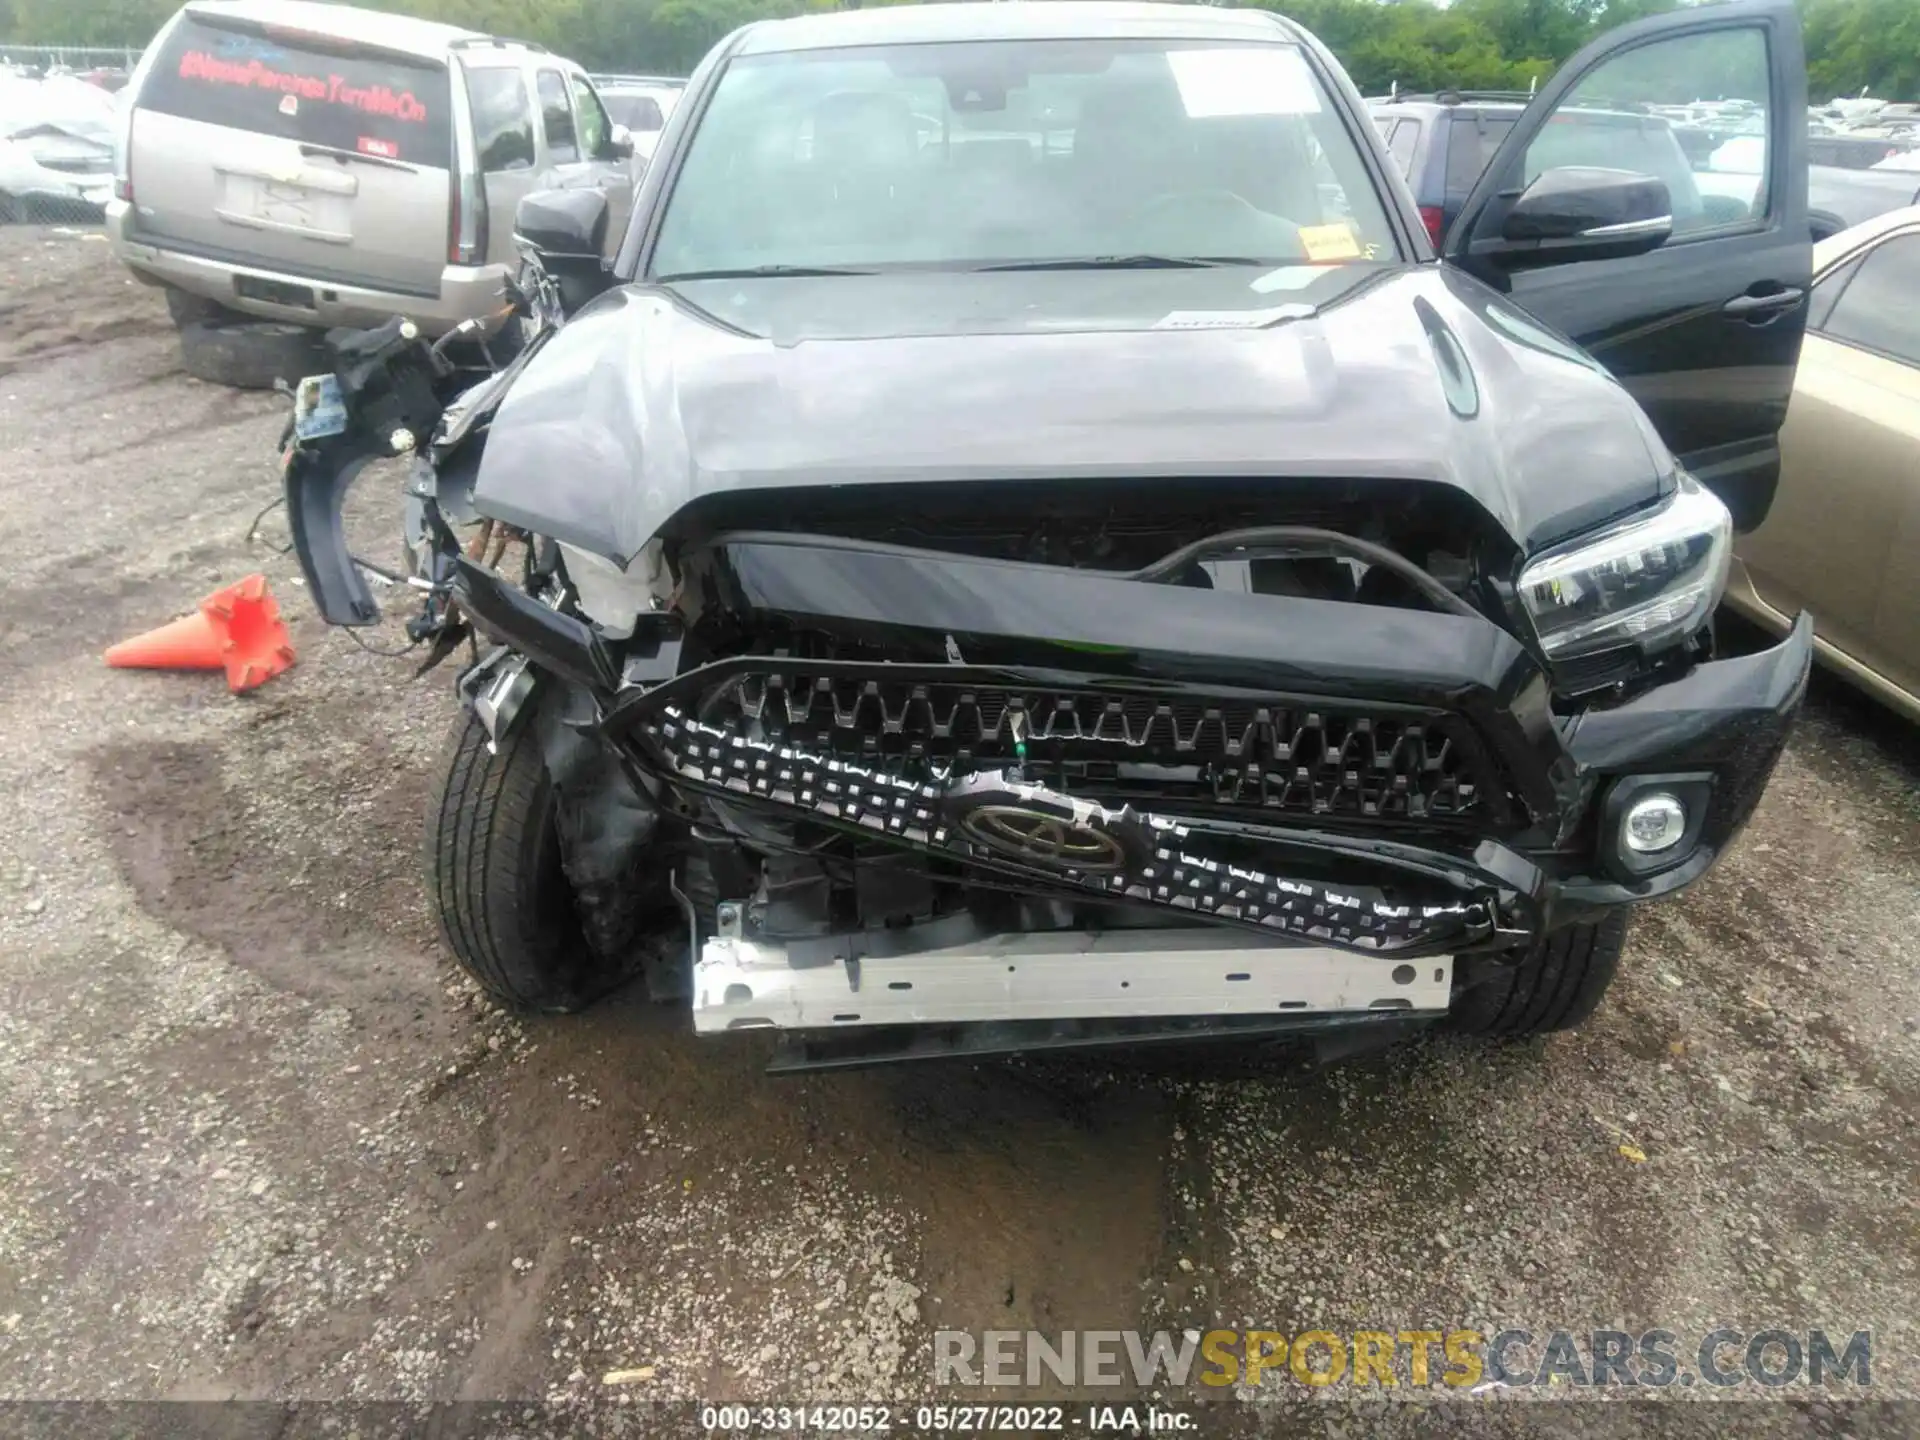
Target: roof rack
1460,97
497,42
610,77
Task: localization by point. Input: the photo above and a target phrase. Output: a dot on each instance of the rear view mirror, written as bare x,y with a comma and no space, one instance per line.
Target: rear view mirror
1585,213
620,143
564,232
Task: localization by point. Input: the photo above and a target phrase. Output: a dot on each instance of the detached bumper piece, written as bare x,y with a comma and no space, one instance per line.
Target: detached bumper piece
743,984
998,822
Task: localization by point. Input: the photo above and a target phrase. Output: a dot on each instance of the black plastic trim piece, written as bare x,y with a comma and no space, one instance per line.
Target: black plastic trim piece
558,642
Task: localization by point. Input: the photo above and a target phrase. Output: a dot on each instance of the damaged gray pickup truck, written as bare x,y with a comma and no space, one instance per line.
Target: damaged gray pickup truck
1027,545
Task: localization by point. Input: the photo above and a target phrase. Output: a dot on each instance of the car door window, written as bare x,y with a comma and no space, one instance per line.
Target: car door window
596,131
1621,116
1827,292
502,118
1876,311
556,117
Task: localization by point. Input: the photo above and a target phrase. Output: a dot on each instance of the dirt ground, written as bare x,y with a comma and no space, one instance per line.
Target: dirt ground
259,1140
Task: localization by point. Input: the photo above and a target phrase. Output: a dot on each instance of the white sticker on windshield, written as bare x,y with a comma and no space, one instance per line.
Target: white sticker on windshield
1246,80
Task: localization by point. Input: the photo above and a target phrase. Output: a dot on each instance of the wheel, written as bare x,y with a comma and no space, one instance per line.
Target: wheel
251,354
1555,985
495,879
190,309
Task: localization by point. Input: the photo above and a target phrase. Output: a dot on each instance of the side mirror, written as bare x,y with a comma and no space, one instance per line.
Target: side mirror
564,232
620,143
1579,212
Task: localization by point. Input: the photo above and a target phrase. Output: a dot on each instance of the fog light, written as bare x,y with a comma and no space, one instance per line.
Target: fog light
1654,823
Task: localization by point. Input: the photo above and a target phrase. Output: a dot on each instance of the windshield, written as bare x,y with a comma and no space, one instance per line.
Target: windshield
964,155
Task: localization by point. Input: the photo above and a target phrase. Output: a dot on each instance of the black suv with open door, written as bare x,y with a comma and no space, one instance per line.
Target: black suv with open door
1028,544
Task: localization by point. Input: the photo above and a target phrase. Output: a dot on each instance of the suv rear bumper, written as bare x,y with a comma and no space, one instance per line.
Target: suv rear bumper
465,292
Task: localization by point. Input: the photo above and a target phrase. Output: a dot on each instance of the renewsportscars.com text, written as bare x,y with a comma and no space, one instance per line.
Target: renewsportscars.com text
1459,1359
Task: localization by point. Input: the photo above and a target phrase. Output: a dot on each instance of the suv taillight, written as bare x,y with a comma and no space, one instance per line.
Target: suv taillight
467,219
1432,217
123,156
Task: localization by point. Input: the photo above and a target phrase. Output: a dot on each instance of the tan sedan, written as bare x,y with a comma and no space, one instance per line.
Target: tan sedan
1843,537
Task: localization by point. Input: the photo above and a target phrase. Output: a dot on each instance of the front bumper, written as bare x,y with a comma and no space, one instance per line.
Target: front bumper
743,984
1379,781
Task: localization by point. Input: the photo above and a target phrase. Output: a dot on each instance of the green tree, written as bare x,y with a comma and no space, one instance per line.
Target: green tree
1852,44
1480,44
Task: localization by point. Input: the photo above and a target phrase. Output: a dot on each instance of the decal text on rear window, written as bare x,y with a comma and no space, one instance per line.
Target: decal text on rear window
334,89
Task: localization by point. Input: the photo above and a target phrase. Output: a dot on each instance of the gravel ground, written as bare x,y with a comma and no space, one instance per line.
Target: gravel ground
262,1141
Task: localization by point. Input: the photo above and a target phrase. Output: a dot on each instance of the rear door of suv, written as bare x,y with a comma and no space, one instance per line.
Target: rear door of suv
295,152
1705,328
1474,136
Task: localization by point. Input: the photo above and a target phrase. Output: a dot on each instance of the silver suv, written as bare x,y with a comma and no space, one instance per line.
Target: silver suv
324,165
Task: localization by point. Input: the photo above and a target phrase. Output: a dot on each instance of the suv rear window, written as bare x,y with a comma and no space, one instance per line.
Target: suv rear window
304,89
1470,145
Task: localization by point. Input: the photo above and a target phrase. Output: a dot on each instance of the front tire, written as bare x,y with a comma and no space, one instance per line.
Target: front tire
495,878
1554,984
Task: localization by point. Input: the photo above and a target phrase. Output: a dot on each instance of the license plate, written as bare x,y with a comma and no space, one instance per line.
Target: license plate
274,292
286,205
318,410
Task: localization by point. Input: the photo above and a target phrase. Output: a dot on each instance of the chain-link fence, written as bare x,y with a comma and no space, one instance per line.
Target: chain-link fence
69,57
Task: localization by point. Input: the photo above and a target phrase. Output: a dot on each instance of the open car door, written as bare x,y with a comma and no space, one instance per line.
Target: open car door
1689,286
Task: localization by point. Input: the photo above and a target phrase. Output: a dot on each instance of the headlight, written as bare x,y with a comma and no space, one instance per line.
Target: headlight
1647,582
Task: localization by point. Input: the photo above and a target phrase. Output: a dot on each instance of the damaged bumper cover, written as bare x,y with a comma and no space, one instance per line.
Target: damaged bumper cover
1383,782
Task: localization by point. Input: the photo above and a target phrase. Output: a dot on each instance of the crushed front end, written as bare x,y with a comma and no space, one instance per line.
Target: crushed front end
960,768
937,801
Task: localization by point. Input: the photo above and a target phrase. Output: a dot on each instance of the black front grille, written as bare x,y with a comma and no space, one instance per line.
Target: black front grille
1142,859
1306,759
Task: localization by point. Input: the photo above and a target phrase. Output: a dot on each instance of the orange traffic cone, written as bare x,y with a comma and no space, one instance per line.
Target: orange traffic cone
236,629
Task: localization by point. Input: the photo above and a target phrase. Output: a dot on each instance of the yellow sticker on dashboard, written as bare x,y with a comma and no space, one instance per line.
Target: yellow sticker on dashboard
1330,242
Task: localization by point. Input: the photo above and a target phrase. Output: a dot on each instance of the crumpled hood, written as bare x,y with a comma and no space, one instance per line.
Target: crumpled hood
652,398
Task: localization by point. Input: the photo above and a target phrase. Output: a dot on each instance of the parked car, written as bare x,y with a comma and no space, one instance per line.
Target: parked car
56,150
1843,531
642,106
1854,152
1837,197
665,82
1002,596
323,165
1443,143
